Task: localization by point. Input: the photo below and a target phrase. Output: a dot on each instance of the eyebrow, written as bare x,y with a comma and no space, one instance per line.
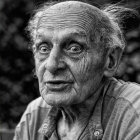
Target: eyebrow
70,34
74,34
77,33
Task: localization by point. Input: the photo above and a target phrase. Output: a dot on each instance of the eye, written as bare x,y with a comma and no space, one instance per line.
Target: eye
74,48
44,48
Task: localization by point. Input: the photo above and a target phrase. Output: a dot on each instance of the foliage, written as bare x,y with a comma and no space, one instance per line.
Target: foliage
17,83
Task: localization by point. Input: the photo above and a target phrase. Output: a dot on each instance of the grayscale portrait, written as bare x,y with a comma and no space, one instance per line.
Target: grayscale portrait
78,50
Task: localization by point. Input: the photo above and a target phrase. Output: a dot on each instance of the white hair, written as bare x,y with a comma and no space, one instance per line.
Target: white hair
111,34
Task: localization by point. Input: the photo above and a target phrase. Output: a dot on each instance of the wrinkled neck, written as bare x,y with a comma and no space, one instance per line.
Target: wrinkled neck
81,112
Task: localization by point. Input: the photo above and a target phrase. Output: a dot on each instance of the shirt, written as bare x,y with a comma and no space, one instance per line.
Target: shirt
116,116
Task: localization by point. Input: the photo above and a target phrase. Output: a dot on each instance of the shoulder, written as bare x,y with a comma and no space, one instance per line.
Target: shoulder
122,110
127,93
31,120
36,104
38,108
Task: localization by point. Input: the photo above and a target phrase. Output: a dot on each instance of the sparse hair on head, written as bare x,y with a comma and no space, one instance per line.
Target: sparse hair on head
111,35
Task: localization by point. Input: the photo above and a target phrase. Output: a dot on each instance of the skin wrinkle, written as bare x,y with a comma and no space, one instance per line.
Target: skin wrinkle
73,33
103,16
84,69
92,35
80,26
67,26
64,18
74,112
74,76
75,14
59,26
41,34
70,115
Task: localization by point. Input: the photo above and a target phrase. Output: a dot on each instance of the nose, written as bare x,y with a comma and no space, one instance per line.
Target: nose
54,61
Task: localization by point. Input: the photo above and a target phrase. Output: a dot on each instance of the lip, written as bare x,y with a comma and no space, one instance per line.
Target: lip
58,85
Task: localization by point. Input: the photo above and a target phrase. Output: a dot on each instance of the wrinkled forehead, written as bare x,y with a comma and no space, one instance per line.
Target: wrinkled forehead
70,14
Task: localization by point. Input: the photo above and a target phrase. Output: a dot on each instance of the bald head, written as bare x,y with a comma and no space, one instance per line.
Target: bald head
93,21
73,14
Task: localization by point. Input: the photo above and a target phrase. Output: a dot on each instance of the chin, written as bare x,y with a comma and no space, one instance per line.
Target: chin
58,100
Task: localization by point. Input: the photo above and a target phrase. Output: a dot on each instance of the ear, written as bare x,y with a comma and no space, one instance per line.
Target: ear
112,61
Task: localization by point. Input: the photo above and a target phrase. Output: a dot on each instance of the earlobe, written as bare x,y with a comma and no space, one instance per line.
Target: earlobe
112,61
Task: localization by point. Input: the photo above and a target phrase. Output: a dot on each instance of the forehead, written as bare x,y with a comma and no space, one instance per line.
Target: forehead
70,14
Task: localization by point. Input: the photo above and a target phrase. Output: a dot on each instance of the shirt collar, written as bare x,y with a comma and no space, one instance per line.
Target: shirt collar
49,124
94,127
95,123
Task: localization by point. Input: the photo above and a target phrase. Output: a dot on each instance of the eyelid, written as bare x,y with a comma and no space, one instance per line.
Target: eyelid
81,49
83,45
70,42
77,45
41,43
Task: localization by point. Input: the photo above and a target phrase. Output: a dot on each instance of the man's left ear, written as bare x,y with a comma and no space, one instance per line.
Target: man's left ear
112,61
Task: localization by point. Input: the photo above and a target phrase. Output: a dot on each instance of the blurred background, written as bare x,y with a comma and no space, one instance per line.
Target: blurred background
18,85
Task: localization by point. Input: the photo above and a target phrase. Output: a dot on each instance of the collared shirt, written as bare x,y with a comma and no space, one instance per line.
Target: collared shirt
116,116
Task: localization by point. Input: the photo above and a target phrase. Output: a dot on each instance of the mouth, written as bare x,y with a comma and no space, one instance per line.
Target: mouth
58,85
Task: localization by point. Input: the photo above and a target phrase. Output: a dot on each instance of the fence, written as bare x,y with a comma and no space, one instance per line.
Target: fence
6,134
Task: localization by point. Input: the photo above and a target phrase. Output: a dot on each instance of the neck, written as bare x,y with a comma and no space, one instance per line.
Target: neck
79,112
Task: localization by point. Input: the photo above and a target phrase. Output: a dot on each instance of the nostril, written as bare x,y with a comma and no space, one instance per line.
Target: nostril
52,65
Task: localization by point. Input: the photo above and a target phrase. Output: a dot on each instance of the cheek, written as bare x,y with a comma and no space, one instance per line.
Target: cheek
40,69
88,75
86,68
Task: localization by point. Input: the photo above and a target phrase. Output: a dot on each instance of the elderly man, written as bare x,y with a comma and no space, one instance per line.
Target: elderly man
77,48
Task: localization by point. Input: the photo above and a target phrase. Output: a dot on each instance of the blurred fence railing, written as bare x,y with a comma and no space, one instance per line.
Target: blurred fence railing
6,134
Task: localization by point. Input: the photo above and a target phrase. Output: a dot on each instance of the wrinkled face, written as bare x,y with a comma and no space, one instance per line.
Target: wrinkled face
68,64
